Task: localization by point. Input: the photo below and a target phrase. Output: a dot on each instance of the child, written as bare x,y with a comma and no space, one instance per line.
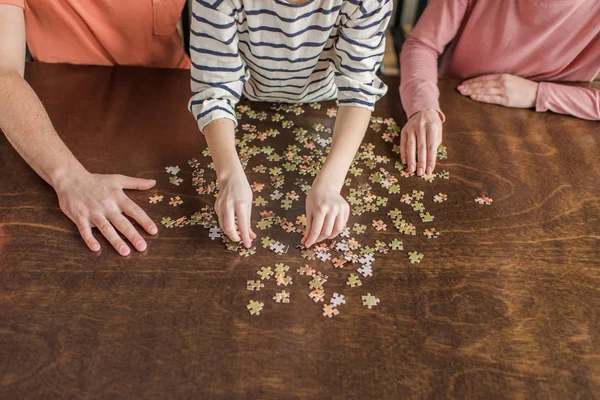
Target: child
509,52
286,51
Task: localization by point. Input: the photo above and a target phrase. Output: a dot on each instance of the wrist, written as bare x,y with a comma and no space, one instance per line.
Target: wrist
329,181
62,177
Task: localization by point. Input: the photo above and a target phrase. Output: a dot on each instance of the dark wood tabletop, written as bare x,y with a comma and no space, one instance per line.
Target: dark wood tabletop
504,304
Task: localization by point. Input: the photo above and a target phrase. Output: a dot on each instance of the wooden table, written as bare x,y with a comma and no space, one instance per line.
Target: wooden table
505,303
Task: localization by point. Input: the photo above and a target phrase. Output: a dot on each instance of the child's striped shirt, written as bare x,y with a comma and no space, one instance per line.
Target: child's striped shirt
271,50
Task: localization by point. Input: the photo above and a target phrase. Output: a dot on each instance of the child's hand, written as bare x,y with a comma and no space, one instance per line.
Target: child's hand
503,89
235,200
326,214
419,141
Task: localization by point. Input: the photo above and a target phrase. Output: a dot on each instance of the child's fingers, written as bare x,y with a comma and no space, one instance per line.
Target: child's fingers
339,225
315,230
227,223
243,220
328,226
411,150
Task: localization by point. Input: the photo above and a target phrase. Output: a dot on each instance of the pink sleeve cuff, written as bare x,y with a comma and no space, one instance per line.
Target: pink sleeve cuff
541,102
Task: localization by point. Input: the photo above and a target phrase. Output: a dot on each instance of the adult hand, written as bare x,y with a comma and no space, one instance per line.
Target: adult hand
96,200
502,89
419,141
235,201
326,214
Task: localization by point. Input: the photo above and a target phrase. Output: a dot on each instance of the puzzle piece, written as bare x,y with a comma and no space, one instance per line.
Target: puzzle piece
175,201
259,201
365,270
254,285
167,222
329,310
286,204
359,229
440,197
317,295
353,281
175,180
337,299
369,301
417,194
396,244
379,225
426,217
484,200
172,170
255,307
283,279
281,268
306,270
282,297
156,198
431,233
417,206
415,257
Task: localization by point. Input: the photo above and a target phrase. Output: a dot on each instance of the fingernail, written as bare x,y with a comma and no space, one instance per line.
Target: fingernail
428,170
420,171
461,87
95,247
411,168
124,250
153,230
141,246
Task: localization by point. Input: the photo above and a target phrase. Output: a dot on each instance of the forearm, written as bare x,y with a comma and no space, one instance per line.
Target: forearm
350,127
27,127
418,88
220,138
577,101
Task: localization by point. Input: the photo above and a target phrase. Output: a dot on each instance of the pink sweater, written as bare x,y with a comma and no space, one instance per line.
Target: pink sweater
541,40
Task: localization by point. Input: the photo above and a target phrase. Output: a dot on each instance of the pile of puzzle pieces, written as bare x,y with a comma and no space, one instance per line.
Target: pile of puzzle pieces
269,172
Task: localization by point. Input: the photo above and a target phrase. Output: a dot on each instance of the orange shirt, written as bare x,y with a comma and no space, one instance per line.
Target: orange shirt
105,32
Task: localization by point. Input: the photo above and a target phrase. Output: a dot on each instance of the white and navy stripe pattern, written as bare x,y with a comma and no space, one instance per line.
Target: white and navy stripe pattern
271,50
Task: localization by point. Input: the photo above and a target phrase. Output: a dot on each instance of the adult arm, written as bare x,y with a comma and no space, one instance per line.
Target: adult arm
419,75
577,101
89,200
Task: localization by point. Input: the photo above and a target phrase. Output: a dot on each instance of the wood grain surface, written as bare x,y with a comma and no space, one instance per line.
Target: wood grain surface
505,303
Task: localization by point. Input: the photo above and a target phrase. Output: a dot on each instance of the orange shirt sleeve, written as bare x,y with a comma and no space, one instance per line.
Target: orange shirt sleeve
18,3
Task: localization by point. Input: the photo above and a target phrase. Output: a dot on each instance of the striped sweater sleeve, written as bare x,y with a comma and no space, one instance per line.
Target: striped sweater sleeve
218,71
358,52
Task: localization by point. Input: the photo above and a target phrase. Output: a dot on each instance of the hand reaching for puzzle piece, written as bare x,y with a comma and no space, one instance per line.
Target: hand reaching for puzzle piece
327,213
235,201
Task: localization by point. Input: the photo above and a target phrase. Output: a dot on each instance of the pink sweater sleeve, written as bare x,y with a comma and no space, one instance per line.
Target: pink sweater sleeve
577,101
418,61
